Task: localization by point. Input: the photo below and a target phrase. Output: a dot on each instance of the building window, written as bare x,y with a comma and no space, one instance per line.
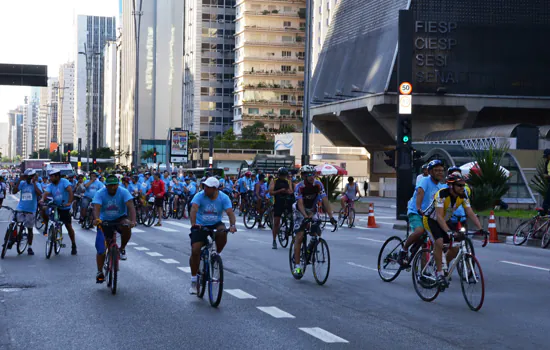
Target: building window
286,68
254,111
300,68
286,54
285,112
287,24
320,9
287,9
284,97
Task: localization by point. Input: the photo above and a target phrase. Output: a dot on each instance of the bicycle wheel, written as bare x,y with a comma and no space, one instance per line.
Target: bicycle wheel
58,239
324,218
76,210
545,241
302,259
113,252
38,222
107,268
341,217
283,235
202,276
424,275
321,262
50,241
472,280
166,209
150,216
268,217
215,285
351,217
249,219
22,240
6,240
523,231
388,267
179,212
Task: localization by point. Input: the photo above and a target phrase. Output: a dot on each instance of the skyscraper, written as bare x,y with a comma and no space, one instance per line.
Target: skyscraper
92,32
208,66
65,127
110,96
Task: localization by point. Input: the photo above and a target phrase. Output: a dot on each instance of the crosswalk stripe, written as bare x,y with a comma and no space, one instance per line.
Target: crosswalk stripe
137,230
238,293
169,261
141,248
323,335
154,254
131,243
275,312
185,269
165,229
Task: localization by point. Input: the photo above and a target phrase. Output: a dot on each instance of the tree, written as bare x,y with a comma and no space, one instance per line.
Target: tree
331,182
252,132
104,153
147,155
286,128
539,183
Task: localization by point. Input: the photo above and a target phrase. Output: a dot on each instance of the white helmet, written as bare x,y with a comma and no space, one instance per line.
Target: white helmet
307,169
30,172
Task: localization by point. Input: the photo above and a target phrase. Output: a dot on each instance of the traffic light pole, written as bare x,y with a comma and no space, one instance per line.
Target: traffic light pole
405,186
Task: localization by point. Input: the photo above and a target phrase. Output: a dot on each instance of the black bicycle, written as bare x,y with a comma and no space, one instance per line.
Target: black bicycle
16,233
112,256
286,230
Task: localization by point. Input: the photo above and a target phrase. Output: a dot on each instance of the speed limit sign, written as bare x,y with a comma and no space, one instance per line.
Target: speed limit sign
405,88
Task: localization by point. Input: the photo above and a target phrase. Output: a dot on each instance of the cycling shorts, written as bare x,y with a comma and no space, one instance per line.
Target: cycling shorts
106,234
198,235
435,231
415,221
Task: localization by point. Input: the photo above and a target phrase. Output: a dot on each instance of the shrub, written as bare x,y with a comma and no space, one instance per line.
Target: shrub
539,183
331,183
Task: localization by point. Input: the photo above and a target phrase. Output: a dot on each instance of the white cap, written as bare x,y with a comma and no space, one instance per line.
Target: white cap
212,182
54,171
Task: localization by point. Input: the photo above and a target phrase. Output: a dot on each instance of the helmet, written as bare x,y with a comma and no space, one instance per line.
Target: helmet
547,152
94,173
54,172
454,177
454,169
434,163
308,169
248,173
212,182
282,171
30,172
425,166
126,179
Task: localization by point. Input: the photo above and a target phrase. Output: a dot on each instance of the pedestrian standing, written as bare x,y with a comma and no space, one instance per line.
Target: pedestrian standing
546,203
366,187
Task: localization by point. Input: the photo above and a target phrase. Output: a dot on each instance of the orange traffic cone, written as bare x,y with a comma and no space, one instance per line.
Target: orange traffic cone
371,223
493,235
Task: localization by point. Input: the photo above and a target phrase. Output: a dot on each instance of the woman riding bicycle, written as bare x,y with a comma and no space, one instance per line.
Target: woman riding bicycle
351,189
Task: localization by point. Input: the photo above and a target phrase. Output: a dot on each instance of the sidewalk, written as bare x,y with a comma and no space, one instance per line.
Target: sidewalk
362,206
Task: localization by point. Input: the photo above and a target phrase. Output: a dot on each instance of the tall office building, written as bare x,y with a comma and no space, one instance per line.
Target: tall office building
65,127
323,10
45,125
92,32
160,74
29,123
14,141
208,66
110,96
269,64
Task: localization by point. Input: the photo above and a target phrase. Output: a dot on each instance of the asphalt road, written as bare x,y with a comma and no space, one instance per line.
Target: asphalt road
56,304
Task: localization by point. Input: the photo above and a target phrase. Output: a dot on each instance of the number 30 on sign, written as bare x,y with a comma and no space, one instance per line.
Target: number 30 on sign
405,88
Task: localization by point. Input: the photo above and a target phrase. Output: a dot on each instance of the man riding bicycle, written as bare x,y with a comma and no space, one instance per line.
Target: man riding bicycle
281,189
207,210
113,204
28,202
420,201
92,186
307,195
446,201
259,196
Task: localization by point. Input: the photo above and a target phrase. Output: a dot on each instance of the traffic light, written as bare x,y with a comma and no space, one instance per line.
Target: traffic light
405,128
391,158
69,155
154,155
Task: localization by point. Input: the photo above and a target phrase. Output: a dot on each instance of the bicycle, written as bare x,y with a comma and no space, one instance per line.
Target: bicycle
348,212
16,233
88,220
75,208
38,221
54,241
315,252
468,267
210,263
536,227
286,229
112,256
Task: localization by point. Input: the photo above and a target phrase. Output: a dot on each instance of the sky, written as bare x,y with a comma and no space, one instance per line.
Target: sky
41,32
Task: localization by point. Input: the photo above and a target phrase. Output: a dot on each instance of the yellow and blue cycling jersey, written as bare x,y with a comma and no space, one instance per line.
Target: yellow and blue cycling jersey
443,199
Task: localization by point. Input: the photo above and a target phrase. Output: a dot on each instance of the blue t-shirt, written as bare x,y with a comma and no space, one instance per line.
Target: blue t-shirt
192,187
28,200
59,193
241,184
144,187
229,185
210,211
93,188
112,207
430,188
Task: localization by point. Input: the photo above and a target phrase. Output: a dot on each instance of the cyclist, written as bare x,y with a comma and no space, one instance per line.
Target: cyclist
244,184
3,188
307,195
445,202
92,186
177,188
113,203
351,189
459,215
158,189
281,189
190,189
420,201
62,193
425,173
259,195
28,202
208,208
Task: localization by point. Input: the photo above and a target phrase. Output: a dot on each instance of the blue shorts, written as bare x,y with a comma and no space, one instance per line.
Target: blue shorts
415,221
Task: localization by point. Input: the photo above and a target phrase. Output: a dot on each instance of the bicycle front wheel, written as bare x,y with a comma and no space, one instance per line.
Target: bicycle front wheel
50,241
321,261
545,241
249,219
215,284
58,241
22,240
472,282
113,252
388,267
424,275
351,217
6,240
523,231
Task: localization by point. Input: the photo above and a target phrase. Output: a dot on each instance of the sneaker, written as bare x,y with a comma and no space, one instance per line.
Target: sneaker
442,282
100,277
123,254
73,250
298,272
158,224
29,251
274,246
193,288
402,259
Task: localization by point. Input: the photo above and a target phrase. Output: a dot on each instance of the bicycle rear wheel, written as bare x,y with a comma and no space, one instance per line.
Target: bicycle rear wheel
6,240
215,284
321,261
38,222
341,217
22,240
471,280
249,219
351,217
50,241
388,267
523,231
545,241
424,275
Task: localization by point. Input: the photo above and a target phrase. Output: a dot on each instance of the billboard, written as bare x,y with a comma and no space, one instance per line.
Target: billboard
179,143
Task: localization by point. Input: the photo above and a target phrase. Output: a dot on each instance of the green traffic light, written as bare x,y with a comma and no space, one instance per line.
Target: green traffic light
405,139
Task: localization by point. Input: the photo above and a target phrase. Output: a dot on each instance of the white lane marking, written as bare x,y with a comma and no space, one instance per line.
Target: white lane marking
178,224
13,197
388,223
275,312
362,266
370,239
154,254
165,229
141,248
169,261
524,265
362,228
238,293
236,223
257,240
137,230
323,335
186,269
131,243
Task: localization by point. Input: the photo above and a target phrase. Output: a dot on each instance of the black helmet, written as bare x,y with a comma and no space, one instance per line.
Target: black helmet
454,169
454,177
282,171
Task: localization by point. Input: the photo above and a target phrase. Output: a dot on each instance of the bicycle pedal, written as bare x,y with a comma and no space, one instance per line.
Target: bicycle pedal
62,245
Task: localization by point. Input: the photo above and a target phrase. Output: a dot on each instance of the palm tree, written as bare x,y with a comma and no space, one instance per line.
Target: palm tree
146,155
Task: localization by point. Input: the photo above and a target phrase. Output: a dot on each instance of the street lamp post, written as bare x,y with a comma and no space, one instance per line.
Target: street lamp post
60,118
137,26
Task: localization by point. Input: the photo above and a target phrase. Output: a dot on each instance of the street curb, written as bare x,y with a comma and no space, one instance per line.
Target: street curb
530,242
400,227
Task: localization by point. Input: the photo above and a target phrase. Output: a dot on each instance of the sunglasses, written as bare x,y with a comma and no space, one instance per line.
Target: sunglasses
460,185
